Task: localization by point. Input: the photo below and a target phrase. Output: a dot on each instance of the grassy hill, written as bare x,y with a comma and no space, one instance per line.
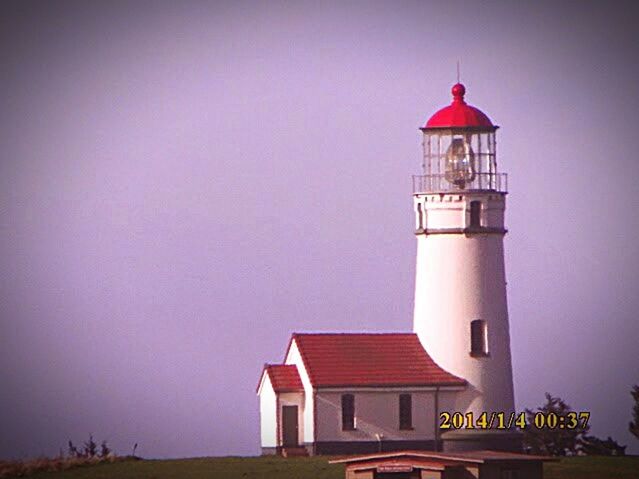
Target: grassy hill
313,467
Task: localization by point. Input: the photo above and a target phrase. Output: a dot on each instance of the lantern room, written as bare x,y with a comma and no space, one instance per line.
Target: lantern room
460,152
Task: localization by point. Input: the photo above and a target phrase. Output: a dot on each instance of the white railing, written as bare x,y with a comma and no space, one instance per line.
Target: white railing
438,183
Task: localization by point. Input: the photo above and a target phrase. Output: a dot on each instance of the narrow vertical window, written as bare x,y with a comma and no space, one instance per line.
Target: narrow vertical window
405,411
420,217
475,214
348,412
478,338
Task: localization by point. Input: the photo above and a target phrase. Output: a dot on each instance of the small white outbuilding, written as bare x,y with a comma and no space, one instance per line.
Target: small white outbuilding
353,393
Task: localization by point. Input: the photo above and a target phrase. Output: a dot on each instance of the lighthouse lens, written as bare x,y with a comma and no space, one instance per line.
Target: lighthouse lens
460,163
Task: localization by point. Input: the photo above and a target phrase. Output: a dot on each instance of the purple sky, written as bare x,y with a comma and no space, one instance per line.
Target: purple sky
183,184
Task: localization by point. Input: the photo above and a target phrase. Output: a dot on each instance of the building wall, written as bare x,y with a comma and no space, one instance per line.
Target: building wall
350,474
525,470
461,472
268,415
430,474
376,412
294,357
451,211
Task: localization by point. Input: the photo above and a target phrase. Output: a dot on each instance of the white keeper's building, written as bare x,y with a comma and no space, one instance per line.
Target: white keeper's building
339,393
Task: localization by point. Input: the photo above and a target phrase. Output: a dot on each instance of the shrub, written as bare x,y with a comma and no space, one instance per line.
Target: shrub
74,458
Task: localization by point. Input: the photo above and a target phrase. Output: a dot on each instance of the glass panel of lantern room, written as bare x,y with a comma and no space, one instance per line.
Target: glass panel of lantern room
428,158
430,162
444,144
460,163
480,159
483,161
441,140
489,160
492,151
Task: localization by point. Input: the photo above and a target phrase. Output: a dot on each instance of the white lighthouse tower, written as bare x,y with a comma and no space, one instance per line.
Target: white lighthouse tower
461,313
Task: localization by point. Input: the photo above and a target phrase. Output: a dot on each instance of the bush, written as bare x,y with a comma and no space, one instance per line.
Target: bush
593,446
75,457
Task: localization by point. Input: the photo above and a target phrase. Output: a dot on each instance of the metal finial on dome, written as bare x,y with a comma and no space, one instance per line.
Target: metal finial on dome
458,92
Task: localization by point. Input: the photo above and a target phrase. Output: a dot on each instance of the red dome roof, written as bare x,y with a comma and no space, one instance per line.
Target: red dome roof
459,114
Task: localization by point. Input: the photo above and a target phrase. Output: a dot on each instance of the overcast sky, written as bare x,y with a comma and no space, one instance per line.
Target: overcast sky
184,184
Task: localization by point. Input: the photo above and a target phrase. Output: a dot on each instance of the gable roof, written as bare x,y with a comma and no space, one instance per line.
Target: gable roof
369,359
284,377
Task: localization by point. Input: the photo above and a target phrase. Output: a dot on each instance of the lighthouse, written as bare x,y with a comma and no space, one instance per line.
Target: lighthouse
461,312
349,393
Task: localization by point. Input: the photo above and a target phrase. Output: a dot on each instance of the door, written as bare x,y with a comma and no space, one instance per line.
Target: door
289,426
475,214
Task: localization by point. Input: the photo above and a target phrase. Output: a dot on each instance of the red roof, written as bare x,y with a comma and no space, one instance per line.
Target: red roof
363,359
459,114
284,377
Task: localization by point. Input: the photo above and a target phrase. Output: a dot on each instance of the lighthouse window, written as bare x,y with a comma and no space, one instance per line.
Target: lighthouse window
475,214
478,338
405,411
420,216
348,412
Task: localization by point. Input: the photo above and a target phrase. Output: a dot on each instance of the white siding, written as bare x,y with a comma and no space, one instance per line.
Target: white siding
453,211
268,416
376,412
294,357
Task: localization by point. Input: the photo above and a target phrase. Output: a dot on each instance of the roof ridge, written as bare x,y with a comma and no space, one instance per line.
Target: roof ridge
324,333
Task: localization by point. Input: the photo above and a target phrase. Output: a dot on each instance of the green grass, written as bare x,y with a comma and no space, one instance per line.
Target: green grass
593,467
208,467
312,467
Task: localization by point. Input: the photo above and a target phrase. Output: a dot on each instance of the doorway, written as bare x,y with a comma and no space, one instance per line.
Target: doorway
289,426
